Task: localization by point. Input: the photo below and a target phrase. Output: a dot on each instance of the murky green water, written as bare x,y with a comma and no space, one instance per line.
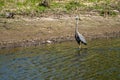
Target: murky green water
63,61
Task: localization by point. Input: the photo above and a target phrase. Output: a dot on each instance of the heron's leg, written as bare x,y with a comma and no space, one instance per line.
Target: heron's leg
80,46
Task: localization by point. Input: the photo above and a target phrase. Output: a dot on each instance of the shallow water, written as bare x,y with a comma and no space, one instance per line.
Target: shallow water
100,60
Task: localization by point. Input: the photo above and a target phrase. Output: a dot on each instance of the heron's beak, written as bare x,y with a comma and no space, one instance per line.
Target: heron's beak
80,19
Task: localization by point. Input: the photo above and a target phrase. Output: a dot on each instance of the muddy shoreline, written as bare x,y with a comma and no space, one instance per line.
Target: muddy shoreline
28,43
25,31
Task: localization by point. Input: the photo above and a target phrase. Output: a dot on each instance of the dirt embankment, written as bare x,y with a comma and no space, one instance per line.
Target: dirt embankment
26,31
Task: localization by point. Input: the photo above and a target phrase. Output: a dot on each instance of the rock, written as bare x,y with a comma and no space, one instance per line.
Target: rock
48,41
9,15
116,11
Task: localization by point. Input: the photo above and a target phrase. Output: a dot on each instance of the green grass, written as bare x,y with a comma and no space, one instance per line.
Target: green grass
1,4
106,7
97,0
72,5
55,5
32,6
19,4
41,9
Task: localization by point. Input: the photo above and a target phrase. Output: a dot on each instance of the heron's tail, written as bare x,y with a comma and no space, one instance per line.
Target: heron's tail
84,43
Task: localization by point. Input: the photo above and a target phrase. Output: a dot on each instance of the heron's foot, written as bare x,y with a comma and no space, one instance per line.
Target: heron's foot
80,49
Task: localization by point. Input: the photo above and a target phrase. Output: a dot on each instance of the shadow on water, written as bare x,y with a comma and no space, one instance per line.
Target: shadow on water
99,61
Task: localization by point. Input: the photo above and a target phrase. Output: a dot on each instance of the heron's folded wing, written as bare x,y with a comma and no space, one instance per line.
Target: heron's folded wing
82,38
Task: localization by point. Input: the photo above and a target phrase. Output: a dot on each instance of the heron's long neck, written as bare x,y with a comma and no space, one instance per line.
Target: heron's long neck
76,29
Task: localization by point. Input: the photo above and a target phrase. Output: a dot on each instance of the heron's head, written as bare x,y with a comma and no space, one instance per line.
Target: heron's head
77,18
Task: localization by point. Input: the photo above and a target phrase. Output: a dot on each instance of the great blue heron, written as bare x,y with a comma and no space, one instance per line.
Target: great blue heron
79,37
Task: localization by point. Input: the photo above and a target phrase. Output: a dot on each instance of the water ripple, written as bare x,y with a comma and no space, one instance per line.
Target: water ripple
61,62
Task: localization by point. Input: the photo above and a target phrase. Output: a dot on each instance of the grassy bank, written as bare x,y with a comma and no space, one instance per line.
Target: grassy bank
34,7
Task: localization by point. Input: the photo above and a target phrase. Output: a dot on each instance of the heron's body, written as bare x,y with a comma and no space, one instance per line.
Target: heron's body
79,37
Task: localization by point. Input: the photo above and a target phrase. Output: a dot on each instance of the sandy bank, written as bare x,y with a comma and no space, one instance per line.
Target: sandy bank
27,31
